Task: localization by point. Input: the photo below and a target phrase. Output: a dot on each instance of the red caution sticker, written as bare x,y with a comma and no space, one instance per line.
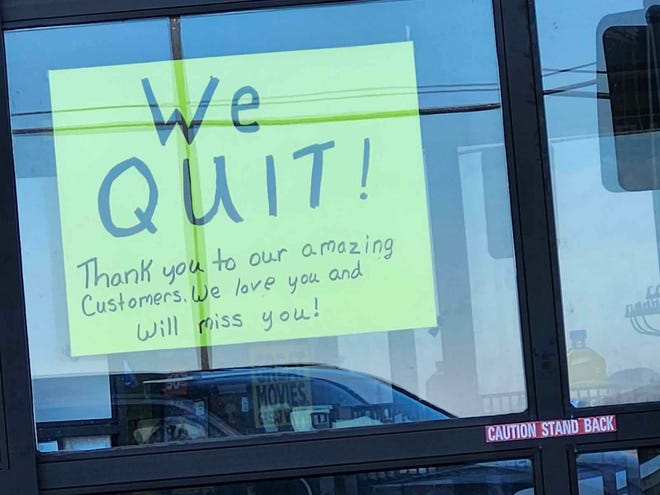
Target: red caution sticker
551,428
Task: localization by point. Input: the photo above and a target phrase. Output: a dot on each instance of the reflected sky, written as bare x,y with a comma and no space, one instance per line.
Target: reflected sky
608,248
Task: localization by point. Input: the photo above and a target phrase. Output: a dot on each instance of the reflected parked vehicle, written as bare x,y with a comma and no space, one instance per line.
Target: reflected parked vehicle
258,400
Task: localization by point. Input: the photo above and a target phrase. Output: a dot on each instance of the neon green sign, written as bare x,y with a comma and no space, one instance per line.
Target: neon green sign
242,199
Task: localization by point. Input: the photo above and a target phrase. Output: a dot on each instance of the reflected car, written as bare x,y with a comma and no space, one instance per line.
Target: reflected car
266,399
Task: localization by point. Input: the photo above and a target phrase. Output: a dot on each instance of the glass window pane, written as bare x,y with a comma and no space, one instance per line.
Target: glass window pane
600,68
624,472
299,230
513,477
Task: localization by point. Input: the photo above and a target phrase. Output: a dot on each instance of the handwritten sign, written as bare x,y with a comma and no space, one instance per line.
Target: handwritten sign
242,199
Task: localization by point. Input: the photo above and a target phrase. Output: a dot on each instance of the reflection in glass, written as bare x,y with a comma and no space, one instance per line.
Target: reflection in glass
629,472
490,478
454,368
268,399
600,78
